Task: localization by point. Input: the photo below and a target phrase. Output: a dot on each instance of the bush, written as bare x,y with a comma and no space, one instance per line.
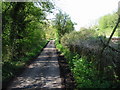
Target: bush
86,75
90,67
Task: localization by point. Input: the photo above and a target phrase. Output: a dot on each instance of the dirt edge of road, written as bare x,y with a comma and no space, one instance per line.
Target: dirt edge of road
68,81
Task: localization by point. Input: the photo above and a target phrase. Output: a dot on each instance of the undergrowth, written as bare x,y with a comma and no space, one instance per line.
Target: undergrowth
84,71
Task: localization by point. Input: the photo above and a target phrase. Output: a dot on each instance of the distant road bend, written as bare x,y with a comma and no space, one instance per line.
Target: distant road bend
42,73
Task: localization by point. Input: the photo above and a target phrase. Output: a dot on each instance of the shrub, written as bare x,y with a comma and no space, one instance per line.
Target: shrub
91,62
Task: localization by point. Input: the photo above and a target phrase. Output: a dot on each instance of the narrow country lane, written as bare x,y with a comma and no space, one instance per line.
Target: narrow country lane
42,73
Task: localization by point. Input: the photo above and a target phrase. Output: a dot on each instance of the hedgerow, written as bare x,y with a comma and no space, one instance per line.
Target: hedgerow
90,69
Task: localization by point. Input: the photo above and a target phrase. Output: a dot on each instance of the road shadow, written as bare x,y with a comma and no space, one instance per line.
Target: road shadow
42,73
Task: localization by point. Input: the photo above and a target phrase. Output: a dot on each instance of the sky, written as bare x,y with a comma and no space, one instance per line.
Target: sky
86,12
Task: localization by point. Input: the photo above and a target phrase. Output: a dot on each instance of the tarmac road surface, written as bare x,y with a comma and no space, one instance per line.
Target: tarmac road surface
43,73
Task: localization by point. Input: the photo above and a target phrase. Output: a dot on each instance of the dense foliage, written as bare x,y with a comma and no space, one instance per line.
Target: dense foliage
107,23
51,32
83,52
63,24
23,25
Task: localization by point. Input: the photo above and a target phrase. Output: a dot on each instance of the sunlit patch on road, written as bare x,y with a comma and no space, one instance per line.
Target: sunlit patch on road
42,73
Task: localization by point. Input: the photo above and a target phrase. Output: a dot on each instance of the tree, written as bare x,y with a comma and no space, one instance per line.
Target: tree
108,21
23,25
63,24
21,19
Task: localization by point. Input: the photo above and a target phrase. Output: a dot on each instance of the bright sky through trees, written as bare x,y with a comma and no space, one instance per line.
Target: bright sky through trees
87,12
